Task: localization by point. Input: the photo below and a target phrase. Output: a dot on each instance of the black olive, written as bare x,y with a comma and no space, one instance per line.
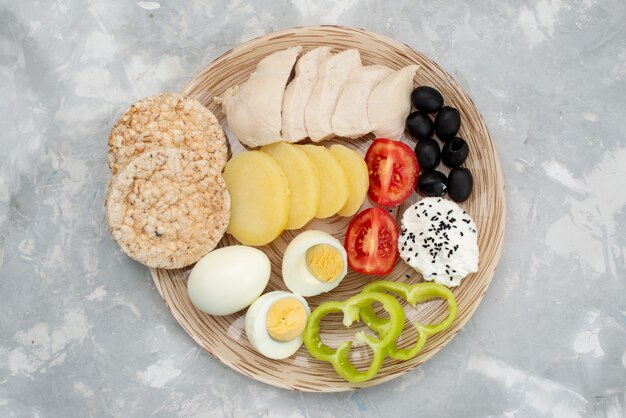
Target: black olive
447,123
427,99
428,154
432,183
454,152
460,182
419,125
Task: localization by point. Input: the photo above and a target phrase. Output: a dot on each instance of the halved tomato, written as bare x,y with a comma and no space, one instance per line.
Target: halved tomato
393,171
372,242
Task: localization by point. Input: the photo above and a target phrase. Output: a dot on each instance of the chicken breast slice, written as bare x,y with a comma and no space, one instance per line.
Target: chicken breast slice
253,109
299,91
333,77
350,119
389,103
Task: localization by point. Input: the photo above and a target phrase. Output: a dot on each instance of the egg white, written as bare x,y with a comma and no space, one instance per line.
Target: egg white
296,274
228,279
256,328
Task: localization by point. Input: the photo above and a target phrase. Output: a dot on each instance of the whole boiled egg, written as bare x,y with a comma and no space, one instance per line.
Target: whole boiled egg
275,323
314,262
228,279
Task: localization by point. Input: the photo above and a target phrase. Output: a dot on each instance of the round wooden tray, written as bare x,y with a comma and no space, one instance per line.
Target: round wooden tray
224,337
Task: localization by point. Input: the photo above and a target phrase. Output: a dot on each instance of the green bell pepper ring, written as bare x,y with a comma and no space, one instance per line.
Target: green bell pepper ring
351,309
414,294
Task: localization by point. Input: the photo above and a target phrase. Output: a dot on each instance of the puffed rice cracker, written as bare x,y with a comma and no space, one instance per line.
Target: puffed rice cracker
168,120
167,208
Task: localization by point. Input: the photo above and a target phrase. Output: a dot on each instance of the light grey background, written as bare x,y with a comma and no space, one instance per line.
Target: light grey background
83,331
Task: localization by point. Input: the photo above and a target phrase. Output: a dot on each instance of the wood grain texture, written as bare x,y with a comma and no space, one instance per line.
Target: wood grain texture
224,337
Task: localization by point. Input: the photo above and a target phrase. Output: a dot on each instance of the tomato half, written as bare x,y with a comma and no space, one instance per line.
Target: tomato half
372,242
393,171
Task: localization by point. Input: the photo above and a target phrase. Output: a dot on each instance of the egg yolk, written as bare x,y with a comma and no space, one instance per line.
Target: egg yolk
324,262
286,319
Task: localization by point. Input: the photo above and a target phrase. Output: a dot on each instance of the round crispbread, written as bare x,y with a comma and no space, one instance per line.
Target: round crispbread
164,121
167,208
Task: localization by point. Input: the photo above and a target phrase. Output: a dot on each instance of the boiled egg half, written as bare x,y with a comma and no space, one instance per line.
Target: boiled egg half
314,262
275,323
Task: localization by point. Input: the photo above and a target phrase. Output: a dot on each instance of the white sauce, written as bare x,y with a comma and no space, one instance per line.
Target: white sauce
439,241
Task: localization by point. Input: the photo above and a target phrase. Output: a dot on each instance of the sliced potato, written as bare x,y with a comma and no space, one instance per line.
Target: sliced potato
259,198
304,182
358,180
334,189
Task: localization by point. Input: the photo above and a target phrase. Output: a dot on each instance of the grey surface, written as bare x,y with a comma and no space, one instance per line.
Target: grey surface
83,331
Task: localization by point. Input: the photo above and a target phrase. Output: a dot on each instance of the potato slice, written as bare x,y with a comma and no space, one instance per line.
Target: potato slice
259,196
358,179
304,182
334,189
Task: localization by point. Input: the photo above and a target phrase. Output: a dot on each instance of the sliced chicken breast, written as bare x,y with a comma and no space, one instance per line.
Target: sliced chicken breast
299,91
254,108
350,119
333,77
390,103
